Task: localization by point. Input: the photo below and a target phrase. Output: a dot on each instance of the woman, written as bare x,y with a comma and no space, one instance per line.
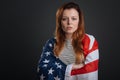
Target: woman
71,54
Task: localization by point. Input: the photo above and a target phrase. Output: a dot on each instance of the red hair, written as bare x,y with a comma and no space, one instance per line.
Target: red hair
77,35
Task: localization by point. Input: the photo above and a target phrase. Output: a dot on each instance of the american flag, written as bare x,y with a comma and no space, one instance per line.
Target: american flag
51,67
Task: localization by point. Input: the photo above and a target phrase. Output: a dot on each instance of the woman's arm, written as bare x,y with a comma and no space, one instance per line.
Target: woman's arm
91,56
88,70
77,66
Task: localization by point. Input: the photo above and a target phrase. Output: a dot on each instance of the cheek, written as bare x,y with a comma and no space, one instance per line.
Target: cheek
76,24
75,28
63,24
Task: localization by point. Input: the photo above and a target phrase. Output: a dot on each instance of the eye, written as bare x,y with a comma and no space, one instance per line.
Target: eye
64,19
74,18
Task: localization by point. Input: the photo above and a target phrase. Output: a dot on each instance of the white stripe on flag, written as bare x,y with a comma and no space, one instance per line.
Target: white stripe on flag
68,71
94,55
92,39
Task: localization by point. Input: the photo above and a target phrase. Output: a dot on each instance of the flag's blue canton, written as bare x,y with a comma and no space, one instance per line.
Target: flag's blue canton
50,67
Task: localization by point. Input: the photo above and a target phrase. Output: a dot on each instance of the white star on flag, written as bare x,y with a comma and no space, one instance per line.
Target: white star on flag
56,78
50,71
46,61
42,77
50,44
45,65
47,53
58,65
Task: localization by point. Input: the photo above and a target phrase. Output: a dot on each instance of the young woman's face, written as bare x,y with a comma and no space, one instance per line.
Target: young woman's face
70,20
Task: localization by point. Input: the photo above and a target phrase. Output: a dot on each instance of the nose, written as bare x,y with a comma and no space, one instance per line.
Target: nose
69,21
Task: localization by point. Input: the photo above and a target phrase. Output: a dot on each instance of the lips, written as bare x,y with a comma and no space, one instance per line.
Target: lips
69,28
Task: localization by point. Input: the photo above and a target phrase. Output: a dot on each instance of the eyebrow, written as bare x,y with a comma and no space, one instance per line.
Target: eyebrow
71,16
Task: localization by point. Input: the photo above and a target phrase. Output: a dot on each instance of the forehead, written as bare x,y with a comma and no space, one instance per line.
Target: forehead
70,12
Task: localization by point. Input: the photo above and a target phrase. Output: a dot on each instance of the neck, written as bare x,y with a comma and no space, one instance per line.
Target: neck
68,36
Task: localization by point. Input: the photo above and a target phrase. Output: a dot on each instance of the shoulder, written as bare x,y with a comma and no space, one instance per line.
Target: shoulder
51,40
90,36
89,41
50,43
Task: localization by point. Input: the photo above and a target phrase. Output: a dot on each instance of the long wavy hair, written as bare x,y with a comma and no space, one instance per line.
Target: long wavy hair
77,35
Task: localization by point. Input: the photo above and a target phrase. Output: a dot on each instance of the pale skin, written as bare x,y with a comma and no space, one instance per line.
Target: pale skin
70,21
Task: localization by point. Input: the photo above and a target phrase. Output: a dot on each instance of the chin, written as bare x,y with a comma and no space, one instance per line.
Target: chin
69,32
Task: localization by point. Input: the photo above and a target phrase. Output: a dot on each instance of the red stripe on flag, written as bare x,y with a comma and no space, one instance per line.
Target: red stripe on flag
86,42
90,67
94,47
86,46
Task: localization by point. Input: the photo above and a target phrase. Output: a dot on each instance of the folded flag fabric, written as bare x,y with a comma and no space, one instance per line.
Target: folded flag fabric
51,67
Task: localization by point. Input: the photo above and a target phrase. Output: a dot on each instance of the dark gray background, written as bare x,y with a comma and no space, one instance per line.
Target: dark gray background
27,24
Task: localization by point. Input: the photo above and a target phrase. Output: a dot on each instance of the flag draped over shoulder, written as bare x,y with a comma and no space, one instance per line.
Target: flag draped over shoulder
51,67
